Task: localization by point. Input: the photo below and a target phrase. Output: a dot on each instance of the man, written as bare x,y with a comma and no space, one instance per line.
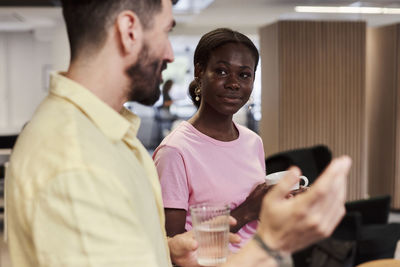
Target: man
83,191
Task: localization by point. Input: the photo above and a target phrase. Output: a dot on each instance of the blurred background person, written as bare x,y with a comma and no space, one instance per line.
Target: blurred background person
167,100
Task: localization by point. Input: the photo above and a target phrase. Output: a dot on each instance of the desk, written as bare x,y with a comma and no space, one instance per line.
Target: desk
4,155
381,263
5,151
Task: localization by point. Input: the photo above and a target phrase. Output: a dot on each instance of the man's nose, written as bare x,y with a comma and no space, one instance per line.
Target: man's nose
169,53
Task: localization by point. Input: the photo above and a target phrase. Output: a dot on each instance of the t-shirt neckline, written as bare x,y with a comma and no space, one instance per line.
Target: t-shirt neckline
212,140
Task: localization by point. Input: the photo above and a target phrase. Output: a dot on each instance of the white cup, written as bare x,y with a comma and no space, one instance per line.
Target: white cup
274,178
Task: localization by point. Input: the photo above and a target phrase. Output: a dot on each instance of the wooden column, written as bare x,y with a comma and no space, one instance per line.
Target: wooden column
383,111
313,90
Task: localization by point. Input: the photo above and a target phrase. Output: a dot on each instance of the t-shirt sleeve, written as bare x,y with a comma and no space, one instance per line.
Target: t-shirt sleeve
173,177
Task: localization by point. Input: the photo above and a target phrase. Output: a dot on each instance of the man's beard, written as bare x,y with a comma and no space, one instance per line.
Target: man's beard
145,78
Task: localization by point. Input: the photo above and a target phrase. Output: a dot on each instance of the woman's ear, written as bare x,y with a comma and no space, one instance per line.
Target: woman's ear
129,31
198,70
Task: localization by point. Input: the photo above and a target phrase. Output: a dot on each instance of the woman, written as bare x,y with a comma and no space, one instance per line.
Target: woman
209,158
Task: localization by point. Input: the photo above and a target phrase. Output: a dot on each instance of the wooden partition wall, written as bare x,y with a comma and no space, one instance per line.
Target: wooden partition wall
383,111
313,90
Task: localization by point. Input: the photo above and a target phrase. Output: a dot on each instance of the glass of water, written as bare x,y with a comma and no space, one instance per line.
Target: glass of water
211,230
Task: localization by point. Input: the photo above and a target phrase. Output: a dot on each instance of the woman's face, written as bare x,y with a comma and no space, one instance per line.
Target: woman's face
227,81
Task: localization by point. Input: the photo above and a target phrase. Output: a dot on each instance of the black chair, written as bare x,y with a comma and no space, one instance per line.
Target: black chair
374,210
8,141
365,225
2,174
311,160
2,171
374,236
359,213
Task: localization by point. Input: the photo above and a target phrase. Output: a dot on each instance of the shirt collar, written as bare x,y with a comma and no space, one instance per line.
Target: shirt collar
113,124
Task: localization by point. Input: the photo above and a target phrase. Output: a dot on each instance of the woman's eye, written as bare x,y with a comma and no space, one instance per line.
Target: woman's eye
245,75
221,72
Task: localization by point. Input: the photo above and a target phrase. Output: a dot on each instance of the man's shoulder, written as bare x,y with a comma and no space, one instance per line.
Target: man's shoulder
57,140
55,120
57,131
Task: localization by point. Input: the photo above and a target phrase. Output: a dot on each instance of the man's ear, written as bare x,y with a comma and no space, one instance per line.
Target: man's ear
129,31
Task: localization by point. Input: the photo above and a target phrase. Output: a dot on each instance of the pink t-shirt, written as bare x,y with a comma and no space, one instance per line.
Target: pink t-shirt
195,168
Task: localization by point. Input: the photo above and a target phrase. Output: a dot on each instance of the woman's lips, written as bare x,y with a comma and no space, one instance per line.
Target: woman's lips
231,99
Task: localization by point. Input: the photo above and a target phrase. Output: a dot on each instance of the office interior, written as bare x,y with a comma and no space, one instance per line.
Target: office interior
330,79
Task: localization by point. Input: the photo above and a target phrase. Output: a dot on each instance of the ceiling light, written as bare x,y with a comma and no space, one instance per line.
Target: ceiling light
191,6
347,9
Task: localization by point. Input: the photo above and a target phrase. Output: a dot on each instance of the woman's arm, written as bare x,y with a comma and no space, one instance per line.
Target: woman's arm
249,210
175,220
174,187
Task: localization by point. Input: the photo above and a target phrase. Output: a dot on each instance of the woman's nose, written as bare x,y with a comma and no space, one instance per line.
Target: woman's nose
233,84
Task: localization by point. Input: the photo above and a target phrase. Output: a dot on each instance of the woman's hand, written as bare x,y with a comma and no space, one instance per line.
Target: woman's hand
249,210
254,200
302,189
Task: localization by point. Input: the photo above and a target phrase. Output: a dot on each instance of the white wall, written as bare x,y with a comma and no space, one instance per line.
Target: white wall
3,83
60,48
26,59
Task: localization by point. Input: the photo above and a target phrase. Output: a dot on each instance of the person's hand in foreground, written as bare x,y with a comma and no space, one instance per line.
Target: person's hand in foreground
182,247
288,225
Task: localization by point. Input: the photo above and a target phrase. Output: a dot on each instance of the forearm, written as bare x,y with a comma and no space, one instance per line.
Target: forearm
251,255
242,216
175,220
249,210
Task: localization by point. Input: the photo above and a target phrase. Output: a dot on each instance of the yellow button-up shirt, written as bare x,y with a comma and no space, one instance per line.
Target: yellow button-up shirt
81,188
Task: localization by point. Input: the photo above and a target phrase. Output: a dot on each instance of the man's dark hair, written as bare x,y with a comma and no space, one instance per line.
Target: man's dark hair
213,40
88,21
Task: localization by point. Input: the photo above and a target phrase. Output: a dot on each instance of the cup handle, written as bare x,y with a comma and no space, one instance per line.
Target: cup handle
305,180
